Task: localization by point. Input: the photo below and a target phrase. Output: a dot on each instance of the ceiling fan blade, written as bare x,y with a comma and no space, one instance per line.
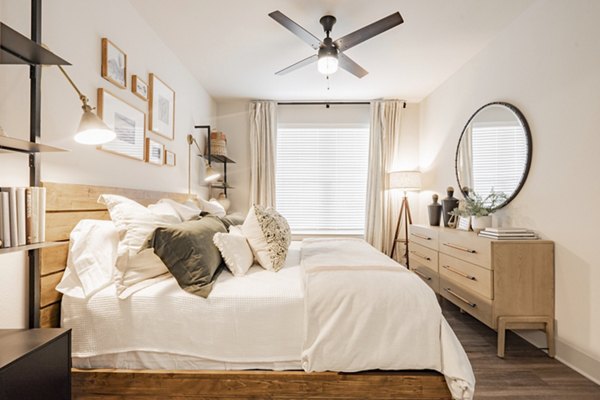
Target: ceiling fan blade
296,29
367,32
350,66
299,64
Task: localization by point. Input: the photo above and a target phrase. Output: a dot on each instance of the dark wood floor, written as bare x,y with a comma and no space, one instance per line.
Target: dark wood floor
524,373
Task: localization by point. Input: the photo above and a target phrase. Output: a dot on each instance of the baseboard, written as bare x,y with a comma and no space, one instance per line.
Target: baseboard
568,355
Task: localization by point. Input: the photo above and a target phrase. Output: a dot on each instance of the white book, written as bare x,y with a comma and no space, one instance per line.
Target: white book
12,218
5,220
35,222
508,234
533,237
29,214
42,214
21,217
506,230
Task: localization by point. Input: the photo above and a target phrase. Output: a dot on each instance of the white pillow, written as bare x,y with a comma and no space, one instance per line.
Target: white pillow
268,235
236,230
165,209
235,251
144,269
186,211
212,207
91,260
135,222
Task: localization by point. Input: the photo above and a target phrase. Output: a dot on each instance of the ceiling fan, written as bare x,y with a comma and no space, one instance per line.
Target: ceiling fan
330,52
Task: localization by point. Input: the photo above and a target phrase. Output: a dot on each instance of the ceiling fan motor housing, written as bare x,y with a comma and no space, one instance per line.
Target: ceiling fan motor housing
328,48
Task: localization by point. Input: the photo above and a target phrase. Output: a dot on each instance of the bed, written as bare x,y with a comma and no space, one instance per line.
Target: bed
261,363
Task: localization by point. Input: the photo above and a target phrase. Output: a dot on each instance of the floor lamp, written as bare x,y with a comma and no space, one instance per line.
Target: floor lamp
407,181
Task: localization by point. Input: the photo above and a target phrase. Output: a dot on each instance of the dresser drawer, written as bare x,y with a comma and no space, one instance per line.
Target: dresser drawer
421,255
466,246
471,276
472,303
430,277
424,236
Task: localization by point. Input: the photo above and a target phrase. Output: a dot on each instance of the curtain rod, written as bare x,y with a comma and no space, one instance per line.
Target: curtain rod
326,103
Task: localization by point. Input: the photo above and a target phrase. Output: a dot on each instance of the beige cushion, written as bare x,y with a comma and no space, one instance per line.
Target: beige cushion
268,235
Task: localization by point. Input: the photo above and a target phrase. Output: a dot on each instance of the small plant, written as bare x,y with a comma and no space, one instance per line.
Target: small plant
477,206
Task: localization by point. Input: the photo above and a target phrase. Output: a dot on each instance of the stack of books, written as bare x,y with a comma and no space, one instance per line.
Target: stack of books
22,216
508,234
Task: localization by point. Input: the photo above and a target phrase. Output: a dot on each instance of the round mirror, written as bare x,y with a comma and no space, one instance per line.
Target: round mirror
494,153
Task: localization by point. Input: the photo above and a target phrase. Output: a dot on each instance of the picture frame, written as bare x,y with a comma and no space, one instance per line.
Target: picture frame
155,152
162,108
114,64
463,223
170,158
128,122
139,87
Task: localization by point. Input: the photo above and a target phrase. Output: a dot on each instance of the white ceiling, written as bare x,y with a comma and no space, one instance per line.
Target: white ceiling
234,48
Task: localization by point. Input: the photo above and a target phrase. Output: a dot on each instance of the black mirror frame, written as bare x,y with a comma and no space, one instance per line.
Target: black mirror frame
525,125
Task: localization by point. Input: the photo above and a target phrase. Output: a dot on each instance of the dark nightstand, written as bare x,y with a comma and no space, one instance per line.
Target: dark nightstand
35,364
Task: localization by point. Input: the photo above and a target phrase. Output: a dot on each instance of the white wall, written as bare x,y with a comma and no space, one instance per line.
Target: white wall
232,118
547,64
73,29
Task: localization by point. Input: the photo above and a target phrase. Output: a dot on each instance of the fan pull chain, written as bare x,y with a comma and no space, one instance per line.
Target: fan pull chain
328,82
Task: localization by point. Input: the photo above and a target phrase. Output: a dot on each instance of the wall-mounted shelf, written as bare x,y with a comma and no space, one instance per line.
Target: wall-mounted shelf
25,146
34,246
222,187
219,159
216,158
18,49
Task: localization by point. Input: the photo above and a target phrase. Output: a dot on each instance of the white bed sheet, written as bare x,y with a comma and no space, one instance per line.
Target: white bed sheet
254,321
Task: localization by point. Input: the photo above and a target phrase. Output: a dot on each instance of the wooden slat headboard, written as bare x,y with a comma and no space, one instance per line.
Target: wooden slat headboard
66,205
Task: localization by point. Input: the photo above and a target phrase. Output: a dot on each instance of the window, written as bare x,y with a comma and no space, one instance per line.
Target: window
322,178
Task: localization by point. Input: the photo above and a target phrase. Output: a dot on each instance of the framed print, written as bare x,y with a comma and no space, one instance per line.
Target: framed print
169,158
162,108
155,152
128,122
464,223
114,64
139,87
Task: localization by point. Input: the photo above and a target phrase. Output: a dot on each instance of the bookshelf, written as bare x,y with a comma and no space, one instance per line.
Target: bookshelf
28,247
17,49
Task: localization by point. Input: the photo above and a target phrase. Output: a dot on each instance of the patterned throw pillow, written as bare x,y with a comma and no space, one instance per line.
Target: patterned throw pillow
269,236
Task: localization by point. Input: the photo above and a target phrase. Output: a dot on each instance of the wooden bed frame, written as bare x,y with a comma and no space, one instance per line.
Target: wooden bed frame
67,204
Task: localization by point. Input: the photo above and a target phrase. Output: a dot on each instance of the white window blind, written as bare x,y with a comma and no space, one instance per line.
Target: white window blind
322,178
499,158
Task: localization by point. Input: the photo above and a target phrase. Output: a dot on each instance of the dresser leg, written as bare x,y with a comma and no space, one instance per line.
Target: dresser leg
550,337
501,336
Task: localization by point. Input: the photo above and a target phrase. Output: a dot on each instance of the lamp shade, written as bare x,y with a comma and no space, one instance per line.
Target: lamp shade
210,174
405,180
92,130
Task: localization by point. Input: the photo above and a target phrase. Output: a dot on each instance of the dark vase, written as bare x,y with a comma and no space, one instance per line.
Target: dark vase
449,204
435,211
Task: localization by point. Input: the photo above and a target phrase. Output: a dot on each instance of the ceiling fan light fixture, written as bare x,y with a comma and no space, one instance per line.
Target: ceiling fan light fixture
328,60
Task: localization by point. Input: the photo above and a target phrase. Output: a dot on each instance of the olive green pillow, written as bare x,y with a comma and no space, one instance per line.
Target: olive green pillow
188,251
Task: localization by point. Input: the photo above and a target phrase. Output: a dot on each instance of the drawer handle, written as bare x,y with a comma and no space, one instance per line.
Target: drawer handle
472,305
457,247
449,268
422,275
421,236
416,253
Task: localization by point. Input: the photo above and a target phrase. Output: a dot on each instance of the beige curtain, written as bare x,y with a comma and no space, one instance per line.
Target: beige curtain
386,118
263,140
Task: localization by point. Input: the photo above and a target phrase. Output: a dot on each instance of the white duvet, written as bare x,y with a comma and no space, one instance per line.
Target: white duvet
364,311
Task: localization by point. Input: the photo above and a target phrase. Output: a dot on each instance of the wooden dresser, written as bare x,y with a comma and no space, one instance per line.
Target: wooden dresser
506,284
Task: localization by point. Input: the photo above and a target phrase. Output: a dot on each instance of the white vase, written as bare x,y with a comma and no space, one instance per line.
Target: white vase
480,223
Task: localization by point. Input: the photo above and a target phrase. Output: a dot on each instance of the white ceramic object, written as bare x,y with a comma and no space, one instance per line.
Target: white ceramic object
480,223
